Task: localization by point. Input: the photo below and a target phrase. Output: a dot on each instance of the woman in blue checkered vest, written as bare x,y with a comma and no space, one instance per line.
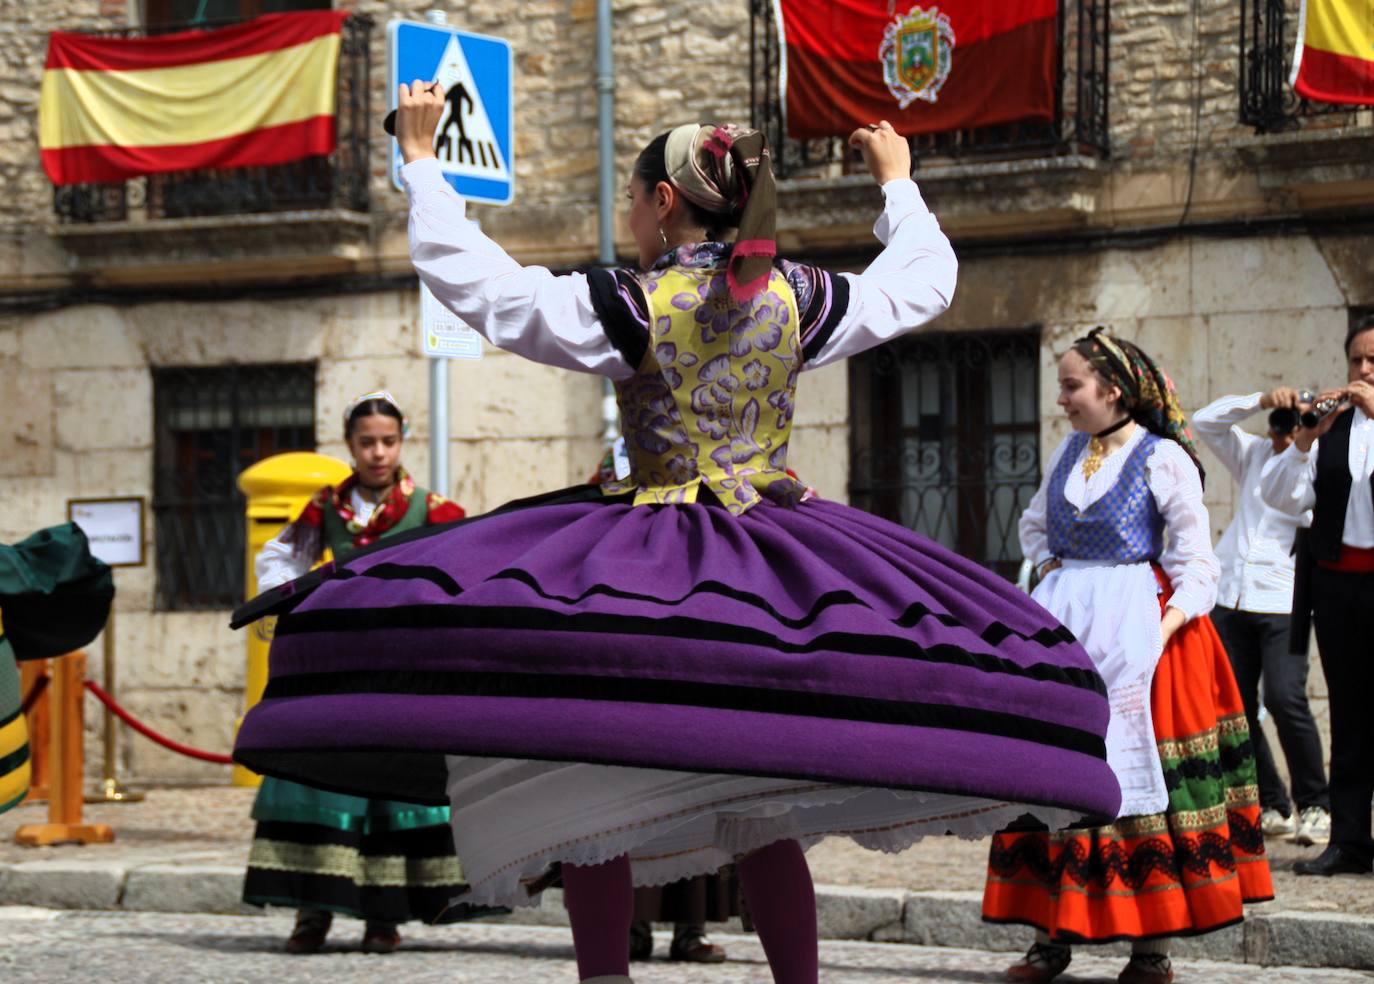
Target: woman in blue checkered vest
1122,542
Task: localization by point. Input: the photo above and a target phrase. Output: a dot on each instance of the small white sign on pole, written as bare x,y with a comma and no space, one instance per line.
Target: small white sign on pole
114,528
442,334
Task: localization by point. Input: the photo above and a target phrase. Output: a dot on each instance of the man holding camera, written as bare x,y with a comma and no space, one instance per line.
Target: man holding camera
1254,599
1328,471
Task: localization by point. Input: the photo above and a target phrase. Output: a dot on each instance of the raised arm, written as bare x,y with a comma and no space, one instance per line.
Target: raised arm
1286,482
911,282
526,310
1215,426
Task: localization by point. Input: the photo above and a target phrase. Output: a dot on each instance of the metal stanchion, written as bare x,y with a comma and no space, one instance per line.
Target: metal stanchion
110,790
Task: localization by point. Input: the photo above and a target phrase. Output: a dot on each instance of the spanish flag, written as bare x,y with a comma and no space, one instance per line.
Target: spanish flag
1335,58
261,92
928,66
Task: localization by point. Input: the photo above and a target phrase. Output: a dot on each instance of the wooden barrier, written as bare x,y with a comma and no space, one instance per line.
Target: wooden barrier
66,760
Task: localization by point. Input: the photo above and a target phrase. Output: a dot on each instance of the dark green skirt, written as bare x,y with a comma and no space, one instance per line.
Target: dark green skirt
379,860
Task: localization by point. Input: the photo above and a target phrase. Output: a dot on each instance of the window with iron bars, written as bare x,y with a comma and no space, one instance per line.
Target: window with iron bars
210,424
1268,36
945,438
1080,124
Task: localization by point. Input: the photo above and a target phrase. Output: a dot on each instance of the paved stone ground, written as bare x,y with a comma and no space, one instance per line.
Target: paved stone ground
210,824
39,946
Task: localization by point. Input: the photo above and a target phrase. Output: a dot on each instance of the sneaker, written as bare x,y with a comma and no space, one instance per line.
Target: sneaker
1314,827
1275,824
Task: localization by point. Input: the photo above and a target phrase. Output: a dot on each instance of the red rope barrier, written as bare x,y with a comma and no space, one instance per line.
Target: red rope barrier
39,685
149,733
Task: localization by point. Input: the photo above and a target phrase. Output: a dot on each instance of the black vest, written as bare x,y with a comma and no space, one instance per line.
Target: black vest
1332,486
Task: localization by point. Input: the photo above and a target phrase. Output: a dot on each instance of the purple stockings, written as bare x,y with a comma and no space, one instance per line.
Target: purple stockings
777,887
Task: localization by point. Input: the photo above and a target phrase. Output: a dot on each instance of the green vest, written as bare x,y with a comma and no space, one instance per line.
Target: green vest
282,800
340,541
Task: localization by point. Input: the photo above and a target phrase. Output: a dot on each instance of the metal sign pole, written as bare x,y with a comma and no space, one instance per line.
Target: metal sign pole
438,426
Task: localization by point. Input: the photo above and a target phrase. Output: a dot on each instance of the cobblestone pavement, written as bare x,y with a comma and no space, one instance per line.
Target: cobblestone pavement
210,824
39,946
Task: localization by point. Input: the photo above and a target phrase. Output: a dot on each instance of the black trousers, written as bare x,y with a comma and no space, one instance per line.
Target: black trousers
1343,615
1257,644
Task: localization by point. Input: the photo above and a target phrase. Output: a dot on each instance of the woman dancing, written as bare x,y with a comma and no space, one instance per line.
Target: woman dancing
1123,543
702,663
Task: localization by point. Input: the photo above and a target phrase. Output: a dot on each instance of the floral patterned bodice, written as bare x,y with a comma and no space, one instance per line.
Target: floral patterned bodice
711,404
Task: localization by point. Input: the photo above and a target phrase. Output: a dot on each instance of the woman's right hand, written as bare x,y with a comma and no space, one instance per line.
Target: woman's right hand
885,151
419,107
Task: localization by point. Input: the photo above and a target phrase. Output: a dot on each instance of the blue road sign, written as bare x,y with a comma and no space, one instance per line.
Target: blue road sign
475,140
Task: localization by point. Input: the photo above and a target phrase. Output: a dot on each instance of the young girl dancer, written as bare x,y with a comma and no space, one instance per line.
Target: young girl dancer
704,662
1123,543
322,852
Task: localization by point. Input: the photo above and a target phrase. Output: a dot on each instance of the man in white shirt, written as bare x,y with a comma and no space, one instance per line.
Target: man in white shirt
1254,599
1328,471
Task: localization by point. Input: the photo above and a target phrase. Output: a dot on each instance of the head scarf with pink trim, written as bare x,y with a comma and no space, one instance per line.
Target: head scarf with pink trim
726,170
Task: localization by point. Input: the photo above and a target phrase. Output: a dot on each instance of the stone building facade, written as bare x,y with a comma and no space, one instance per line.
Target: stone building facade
1236,257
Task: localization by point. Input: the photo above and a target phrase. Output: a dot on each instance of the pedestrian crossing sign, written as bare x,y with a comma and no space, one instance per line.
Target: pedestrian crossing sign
475,138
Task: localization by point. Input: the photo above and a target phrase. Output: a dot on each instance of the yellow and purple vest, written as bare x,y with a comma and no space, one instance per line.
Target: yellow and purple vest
711,402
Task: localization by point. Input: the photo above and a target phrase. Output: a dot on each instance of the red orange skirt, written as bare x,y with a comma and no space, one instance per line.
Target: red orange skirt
1179,873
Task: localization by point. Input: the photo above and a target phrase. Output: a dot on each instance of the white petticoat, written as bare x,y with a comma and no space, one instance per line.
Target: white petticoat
1113,609
513,818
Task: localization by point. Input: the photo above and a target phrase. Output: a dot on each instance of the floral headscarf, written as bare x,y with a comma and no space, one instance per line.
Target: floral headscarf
1146,390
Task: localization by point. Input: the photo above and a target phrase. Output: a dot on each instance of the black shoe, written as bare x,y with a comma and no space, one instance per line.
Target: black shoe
1335,860
641,940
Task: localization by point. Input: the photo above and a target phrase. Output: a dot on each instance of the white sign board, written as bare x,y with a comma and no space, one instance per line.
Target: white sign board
475,139
442,334
114,528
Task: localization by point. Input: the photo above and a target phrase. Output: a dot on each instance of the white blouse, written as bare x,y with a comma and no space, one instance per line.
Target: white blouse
550,319
278,562
1188,560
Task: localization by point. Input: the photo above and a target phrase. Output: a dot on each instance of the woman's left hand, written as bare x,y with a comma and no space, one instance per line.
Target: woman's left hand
1169,623
885,151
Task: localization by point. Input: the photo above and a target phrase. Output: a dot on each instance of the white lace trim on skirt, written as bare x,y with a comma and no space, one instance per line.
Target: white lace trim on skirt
512,819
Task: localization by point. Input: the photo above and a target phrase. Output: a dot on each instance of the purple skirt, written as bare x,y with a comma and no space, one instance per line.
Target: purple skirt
815,642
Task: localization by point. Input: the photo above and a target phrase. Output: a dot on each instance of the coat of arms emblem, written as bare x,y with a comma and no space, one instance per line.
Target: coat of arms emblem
916,53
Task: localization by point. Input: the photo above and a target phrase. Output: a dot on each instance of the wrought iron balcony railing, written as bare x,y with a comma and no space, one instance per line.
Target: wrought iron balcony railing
1079,125
1268,35
339,180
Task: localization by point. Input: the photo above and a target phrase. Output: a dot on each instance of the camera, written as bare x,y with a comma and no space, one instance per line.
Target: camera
1283,420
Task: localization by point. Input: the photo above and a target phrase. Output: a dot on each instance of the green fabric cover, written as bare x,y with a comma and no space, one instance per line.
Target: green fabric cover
55,597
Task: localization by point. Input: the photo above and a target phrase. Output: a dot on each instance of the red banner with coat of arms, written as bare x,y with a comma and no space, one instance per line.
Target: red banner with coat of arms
926,67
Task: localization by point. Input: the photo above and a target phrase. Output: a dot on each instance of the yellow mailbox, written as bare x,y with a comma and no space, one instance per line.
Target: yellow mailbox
277,489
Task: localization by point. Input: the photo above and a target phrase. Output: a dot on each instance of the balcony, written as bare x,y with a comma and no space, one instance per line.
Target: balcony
1078,129
1268,36
309,216
1314,156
